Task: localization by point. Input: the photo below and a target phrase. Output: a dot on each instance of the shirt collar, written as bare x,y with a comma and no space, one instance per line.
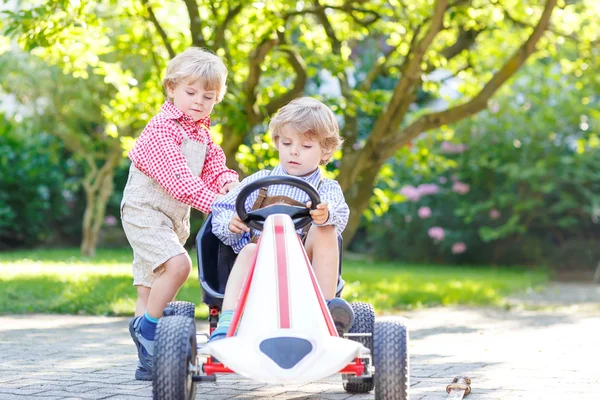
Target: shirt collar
175,113
313,178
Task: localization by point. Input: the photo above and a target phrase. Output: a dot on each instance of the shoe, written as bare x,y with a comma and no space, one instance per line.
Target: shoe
142,374
214,337
342,315
145,349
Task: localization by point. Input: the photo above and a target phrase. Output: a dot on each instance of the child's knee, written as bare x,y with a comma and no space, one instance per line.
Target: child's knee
246,255
320,233
179,266
248,250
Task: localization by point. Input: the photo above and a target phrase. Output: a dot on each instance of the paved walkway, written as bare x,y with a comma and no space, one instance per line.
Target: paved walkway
548,349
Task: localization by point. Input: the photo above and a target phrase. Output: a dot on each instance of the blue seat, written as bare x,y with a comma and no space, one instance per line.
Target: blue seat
215,260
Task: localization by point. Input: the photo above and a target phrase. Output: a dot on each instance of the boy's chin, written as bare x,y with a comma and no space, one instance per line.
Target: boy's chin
298,173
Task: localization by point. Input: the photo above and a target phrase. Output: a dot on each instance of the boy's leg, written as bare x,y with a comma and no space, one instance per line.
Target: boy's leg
323,253
235,281
322,250
143,327
142,300
165,287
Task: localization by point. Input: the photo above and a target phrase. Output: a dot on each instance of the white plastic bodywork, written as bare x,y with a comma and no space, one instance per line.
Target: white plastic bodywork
284,300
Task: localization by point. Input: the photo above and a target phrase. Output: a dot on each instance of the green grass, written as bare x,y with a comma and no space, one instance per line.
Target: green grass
61,281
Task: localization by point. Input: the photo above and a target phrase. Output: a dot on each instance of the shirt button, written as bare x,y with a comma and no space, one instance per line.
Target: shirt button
177,176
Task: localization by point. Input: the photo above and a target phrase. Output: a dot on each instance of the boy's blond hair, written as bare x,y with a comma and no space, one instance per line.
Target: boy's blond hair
312,118
197,64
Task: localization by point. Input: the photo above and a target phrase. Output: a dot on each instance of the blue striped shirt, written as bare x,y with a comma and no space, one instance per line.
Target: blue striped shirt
329,191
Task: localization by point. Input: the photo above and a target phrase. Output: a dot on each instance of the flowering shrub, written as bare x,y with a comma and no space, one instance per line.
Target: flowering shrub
511,185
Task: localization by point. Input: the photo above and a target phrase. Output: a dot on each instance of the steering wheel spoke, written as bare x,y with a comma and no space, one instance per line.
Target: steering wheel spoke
256,219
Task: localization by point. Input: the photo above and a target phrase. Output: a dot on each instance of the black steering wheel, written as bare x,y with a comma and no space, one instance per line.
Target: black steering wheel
256,219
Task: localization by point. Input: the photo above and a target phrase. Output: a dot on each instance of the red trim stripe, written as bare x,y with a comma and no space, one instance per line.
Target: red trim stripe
324,310
283,289
244,295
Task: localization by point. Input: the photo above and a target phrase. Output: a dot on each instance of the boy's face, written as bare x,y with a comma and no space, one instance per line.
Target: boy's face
298,154
193,99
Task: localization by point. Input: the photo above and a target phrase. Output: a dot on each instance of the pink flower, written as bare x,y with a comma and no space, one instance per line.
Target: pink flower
494,214
436,233
460,188
442,180
424,212
459,248
427,189
110,220
453,148
493,106
411,193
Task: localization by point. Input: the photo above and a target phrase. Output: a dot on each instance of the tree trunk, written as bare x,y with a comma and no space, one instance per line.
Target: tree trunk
98,186
357,195
96,200
597,274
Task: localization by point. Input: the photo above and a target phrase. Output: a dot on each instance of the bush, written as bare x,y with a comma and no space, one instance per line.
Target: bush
516,184
38,190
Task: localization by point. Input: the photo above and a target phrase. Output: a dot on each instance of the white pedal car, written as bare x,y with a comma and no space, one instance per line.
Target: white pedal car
282,331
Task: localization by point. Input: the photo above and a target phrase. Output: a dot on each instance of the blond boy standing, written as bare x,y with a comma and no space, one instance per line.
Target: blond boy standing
175,166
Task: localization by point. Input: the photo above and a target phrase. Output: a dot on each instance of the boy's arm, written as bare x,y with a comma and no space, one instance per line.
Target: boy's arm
339,212
215,173
163,161
224,208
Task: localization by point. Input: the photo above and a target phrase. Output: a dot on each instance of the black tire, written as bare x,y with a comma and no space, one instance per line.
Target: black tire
183,308
364,322
391,360
174,351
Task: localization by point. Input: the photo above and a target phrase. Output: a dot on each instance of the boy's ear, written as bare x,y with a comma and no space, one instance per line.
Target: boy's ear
327,154
170,89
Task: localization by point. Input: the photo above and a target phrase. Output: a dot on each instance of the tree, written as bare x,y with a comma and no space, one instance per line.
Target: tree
277,50
70,109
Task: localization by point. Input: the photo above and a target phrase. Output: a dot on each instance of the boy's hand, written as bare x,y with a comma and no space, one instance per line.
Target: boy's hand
320,215
236,225
227,188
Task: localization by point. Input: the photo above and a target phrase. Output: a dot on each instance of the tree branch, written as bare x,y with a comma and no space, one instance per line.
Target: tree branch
382,63
220,31
195,23
411,75
159,29
297,63
528,25
376,70
464,41
348,8
336,45
479,102
257,56
351,124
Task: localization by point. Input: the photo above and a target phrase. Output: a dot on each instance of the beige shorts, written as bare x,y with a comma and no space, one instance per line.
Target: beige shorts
154,237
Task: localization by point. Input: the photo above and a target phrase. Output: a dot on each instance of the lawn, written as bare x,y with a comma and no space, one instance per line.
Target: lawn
61,281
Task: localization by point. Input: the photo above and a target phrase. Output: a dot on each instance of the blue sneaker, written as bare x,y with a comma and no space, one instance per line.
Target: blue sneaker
219,333
342,315
145,350
141,373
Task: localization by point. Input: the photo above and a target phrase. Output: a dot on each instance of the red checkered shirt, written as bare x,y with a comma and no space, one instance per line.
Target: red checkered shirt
157,154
